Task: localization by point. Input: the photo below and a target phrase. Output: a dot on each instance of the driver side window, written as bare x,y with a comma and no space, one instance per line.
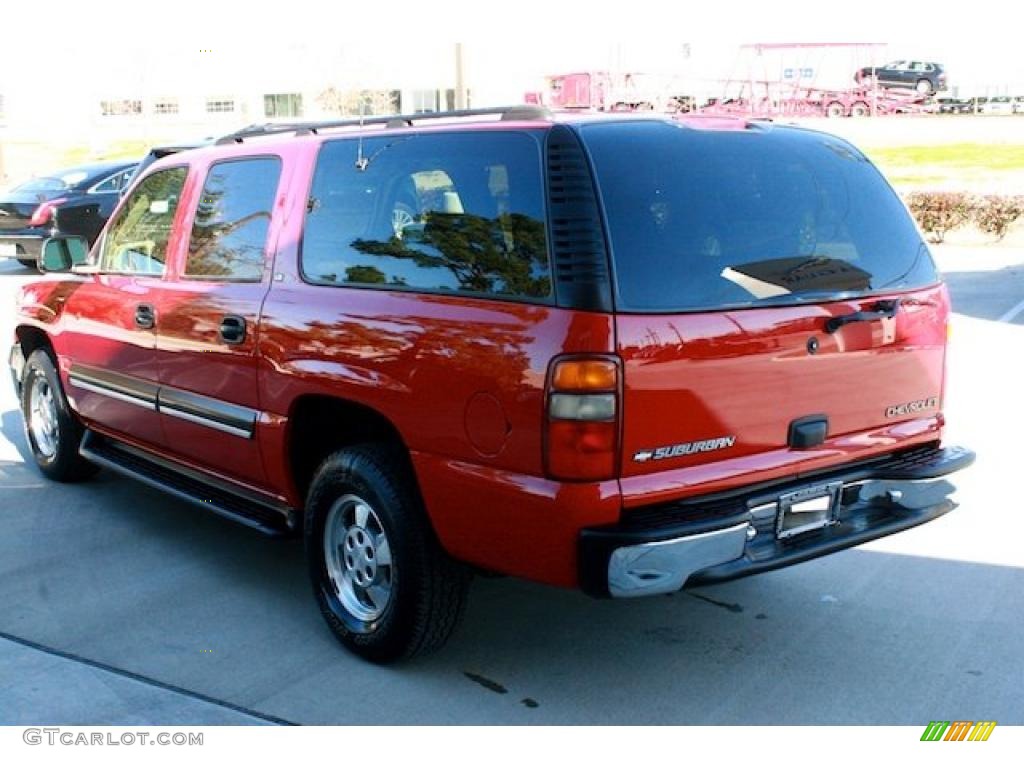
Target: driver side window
136,242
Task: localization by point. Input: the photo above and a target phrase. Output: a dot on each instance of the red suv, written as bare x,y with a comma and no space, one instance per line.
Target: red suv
620,353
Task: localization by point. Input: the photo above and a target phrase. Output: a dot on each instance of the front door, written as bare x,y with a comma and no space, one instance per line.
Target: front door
111,319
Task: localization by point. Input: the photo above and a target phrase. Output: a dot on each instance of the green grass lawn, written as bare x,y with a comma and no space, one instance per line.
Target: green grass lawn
925,166
992,157
118,150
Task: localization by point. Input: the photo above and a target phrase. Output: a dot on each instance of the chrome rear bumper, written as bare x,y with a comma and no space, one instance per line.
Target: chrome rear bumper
27,246
664,566
742,537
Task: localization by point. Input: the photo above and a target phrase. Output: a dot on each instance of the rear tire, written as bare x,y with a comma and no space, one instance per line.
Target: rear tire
835,109
860,109
52,430
384,585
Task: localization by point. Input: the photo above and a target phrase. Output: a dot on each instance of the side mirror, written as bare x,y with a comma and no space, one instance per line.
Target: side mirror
62,253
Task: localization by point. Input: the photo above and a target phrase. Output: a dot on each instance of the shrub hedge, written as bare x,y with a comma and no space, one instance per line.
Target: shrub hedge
941,212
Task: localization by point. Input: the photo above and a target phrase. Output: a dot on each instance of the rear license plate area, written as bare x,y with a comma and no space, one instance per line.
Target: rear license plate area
807,510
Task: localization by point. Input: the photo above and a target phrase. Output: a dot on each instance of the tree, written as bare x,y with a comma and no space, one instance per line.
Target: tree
362,273
485,255
338,101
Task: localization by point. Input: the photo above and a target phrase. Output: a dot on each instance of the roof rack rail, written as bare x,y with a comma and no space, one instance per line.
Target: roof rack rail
515,112
265,129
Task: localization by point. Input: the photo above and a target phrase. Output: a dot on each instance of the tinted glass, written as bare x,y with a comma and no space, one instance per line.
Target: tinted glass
115,182
229,235
42,184
57,183
136,241
459,212
701,219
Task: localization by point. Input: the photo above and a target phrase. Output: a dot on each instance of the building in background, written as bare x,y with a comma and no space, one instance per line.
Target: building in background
157,93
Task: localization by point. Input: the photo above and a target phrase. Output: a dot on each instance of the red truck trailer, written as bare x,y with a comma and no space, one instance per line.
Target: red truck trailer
613,92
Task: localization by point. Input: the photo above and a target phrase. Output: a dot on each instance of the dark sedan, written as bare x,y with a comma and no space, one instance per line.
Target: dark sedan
73,201
950,106
923,76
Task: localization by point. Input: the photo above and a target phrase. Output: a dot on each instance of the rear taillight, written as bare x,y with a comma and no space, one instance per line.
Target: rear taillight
583,408
44,212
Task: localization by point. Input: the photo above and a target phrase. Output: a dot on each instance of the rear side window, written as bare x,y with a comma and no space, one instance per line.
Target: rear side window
229,235
447,212
710,219
114,183
136,242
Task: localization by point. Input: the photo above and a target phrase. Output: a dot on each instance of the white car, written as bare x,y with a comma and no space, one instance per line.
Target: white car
998,105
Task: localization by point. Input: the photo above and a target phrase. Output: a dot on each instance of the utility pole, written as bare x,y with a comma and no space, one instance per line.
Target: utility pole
460,85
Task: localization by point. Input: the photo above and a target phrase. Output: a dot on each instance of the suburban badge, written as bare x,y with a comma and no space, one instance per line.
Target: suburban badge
685,449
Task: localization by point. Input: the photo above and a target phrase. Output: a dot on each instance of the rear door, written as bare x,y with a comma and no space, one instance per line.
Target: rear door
207,335
915,71
732,250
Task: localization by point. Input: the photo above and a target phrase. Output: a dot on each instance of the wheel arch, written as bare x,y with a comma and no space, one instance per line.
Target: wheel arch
319,425
31,338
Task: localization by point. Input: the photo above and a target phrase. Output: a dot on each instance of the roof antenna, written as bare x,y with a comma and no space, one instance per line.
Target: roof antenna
361,161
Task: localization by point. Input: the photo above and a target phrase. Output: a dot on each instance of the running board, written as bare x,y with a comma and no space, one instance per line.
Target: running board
235,503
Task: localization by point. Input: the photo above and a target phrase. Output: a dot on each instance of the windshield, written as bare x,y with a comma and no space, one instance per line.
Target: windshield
710,219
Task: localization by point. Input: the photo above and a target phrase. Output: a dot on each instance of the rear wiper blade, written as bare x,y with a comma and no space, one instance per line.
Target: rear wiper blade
803,297
885,308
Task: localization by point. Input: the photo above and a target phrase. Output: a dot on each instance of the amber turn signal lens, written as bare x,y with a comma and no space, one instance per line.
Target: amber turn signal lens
585,376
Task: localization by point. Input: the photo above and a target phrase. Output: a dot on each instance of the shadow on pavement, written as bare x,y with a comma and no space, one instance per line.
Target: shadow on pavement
12,428
121,574
12,267
987,294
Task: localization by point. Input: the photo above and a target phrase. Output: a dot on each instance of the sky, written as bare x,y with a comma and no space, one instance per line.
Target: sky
110,29
217,45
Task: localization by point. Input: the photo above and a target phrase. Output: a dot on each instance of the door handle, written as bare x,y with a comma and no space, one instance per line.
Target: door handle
232,329
145,316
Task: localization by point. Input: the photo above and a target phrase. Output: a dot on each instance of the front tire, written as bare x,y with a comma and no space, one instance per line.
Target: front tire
923,87
29,264
384,585
53,431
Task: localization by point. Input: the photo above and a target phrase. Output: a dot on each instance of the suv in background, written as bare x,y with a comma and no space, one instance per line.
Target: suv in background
510,341
925,77
164,150
73,201
160,152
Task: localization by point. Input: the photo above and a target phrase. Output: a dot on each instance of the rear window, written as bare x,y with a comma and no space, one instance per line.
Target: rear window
710,219
447,212
59,183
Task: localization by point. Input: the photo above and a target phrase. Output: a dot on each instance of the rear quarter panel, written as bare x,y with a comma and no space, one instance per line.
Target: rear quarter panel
462,381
